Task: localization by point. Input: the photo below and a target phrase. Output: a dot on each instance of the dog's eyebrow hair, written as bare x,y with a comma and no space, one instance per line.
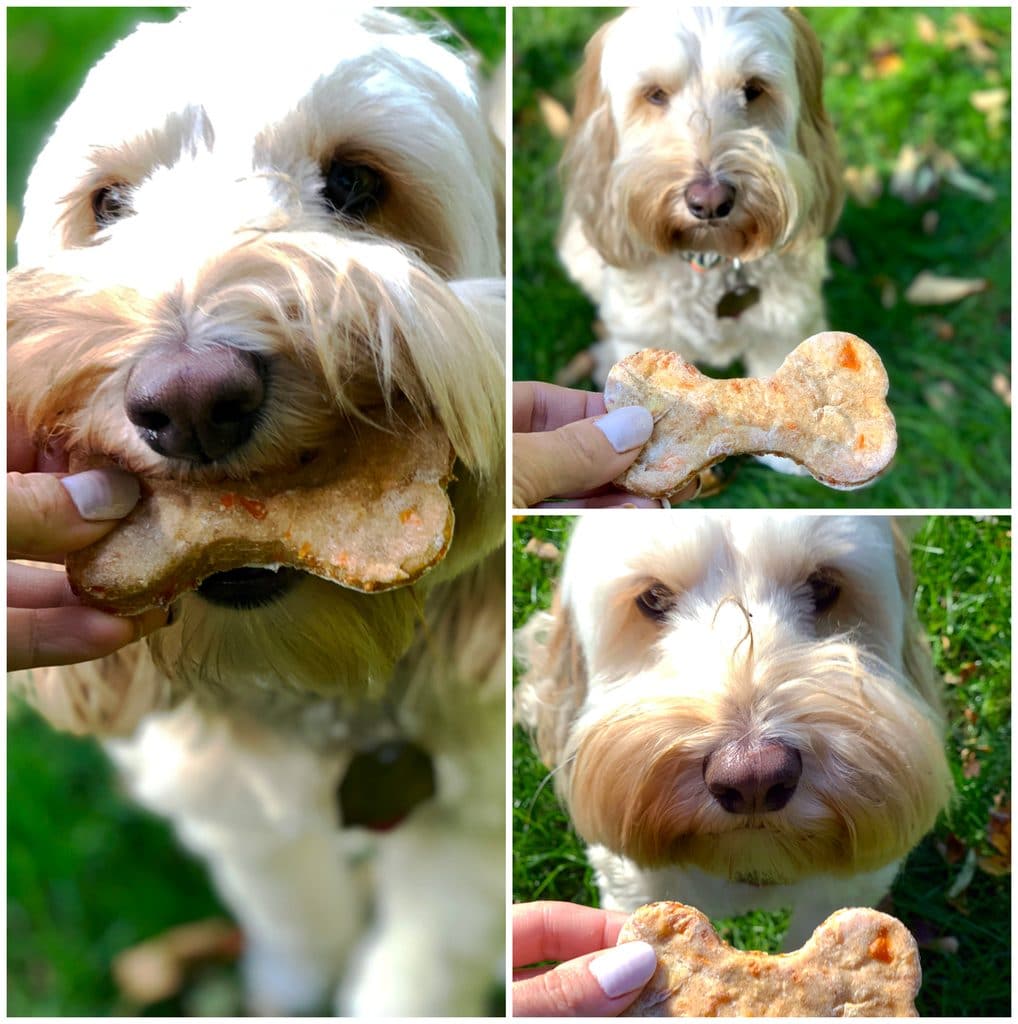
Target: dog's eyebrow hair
732,599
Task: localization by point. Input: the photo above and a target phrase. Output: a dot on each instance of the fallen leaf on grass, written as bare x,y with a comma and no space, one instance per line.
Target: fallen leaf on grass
929,289
555,116
966,32
157,969
940,396
971,768
963,880
926,28
863,184
884,61
998,834
1001,385
544,550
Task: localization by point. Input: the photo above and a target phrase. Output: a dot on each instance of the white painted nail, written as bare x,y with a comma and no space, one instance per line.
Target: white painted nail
102,493
626,428
624,968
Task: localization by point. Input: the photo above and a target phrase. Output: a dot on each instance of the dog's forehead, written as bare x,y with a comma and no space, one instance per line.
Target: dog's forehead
257,67
678,43
777,547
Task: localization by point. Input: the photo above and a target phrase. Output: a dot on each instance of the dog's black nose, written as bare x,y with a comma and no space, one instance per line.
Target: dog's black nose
198,405
753,778
710,200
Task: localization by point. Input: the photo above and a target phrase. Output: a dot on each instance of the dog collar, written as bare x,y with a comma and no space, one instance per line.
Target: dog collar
384,783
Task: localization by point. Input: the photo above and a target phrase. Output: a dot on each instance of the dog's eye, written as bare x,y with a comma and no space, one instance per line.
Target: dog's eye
656,601
656,95
111,203
353,190
753,89
824,589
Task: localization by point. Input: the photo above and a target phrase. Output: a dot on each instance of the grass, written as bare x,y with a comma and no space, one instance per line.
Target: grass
88,874
963,569
885,87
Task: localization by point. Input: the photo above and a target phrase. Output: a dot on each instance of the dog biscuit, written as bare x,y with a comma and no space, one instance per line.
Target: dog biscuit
824,408
858,963
369,515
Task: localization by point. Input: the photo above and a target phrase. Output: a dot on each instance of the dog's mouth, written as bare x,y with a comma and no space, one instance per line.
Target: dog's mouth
248,587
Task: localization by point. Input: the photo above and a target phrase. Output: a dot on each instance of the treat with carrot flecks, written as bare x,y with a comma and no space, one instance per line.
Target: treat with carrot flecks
824,407
858,963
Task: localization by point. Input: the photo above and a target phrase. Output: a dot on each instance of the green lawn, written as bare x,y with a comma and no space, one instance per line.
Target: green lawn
886,86
89,875
963,568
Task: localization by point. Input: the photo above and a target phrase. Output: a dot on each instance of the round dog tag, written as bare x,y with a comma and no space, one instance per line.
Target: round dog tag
384,784
736,301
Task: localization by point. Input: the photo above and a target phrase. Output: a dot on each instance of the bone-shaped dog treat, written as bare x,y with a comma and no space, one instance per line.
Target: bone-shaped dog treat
370,514
858,963
824,407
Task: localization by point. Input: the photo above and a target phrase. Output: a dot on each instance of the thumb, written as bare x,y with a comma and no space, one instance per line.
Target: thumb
597,985
579,456
49,515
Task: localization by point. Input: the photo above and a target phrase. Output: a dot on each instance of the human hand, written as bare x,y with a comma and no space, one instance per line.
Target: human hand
50,513
593,976
566,445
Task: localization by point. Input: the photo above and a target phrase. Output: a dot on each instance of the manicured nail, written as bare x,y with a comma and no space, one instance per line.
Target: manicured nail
626,428
624,968
102,493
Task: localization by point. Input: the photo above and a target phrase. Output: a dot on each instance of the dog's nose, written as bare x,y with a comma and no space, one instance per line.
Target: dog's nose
753,778
710,200
197,405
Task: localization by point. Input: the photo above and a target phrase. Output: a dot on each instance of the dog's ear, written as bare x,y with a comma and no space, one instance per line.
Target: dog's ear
915,646
587,163
554,684
816,138
106,698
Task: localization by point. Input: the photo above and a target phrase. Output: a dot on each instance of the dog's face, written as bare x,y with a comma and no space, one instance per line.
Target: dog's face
746,694
244,237
701,130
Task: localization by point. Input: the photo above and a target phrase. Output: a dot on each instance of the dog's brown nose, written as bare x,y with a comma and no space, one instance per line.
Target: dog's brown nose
710,199
197,405
753,778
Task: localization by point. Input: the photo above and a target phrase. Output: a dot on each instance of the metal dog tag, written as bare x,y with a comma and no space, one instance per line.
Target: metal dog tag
739,297
384,784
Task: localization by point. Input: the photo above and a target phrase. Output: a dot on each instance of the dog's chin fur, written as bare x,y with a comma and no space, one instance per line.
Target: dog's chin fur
218,136
659,106
626,710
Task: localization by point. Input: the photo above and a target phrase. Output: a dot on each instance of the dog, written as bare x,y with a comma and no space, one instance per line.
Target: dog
245,239
740,711
701,178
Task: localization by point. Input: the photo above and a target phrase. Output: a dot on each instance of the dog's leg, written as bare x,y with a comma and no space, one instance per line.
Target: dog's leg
437,942
260,811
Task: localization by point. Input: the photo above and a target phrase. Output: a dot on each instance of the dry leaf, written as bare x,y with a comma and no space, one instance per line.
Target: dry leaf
580,366
544,550
884,62
1001,385
993,104
555,116
156,970
842,251
966,32
926,28
863,184
930,222
943,329
930,289
998,833
970,765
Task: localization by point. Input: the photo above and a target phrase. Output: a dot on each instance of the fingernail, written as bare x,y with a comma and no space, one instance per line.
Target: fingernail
626,428
624,968
102,493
